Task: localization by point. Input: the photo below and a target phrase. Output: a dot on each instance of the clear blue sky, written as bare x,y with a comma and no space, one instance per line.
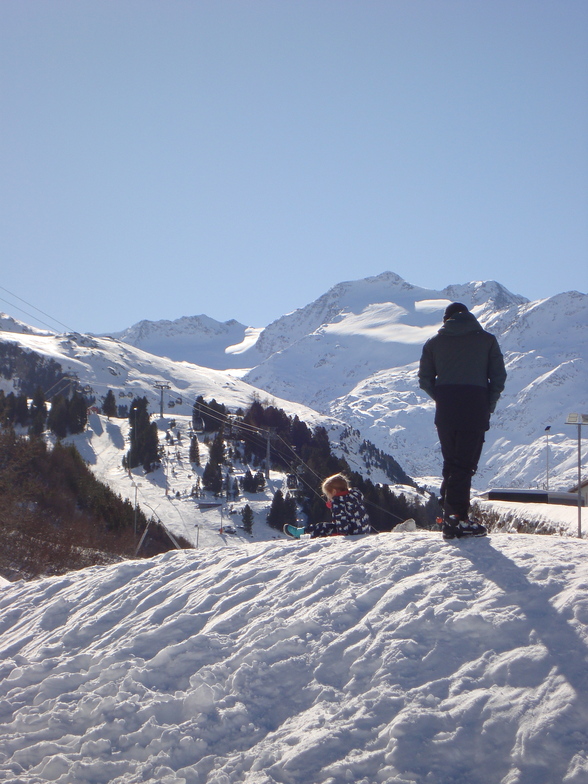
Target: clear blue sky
239,157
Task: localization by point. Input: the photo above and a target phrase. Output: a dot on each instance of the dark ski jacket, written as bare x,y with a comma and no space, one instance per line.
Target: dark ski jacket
462,369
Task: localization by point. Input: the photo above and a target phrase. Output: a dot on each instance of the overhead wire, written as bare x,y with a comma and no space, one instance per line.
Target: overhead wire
210,412
267,432
30,305
26,313
253,430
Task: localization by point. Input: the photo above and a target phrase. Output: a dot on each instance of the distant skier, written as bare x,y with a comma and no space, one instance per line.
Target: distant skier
462,369
348,514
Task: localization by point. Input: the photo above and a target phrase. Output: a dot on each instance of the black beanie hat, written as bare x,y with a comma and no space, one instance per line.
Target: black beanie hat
455,307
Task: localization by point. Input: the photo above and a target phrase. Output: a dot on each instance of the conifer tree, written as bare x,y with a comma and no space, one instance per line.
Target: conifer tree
144,448
212,478
151,454
216,452
197,420
275,517
58,417
21,410
194,451
247,518
38,412
77,413
109,407
248,483
235,490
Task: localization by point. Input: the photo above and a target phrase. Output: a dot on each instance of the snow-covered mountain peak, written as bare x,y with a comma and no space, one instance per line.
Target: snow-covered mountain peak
198,327
390,300
353,354
358,328
198,339
484,296
10,324
342,300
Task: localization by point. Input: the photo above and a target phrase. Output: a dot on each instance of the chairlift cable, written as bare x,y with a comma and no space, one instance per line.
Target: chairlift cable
27,313
259,431
36,308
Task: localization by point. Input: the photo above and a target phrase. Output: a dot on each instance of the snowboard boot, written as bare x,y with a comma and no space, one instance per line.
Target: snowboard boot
454,528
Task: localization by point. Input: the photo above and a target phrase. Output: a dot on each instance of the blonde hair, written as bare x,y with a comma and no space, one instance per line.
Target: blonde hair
338,483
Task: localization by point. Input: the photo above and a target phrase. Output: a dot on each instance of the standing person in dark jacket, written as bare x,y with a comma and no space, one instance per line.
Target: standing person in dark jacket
462,369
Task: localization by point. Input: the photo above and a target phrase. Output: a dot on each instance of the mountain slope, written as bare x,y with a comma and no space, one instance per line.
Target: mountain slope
197,339
360,364
171,491
10,324
357,329
395,658
547,378
352,308
100,364
353,353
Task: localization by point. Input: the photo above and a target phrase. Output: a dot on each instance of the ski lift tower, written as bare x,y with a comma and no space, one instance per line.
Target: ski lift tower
161,387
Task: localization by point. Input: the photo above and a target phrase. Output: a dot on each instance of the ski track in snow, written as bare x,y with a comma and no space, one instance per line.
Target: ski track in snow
392,658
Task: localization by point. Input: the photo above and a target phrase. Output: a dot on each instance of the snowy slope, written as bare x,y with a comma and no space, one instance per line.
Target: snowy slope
360,364
101,364
388,659
167,491
353,354
10,324
197,339
543,344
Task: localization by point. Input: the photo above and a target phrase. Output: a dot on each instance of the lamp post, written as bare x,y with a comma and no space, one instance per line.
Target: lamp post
136,485
579,420
547,429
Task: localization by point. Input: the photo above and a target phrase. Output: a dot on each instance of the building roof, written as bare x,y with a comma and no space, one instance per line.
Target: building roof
574,489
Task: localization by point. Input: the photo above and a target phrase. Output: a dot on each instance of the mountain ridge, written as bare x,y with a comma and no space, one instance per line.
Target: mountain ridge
352,355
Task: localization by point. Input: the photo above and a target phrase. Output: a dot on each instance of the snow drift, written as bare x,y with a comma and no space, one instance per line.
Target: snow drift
390,658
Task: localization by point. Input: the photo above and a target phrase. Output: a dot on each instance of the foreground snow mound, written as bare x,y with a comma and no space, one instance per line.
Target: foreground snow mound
392,658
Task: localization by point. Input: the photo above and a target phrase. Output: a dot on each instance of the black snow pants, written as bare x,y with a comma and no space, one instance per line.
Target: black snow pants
461,450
